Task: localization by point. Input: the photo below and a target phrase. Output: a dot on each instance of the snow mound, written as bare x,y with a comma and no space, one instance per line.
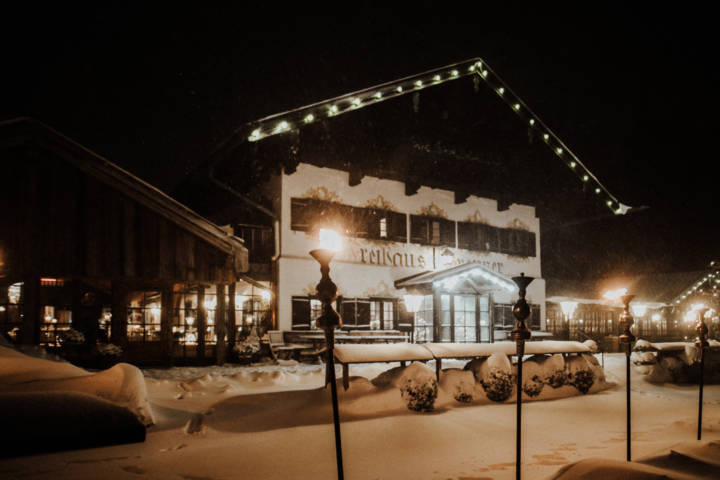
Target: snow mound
643,346
591,344
643,358
458,383
53,421
554,371
122,384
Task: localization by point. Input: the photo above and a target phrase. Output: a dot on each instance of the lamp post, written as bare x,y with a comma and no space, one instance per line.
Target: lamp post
521,311
626,337
701,342
329,321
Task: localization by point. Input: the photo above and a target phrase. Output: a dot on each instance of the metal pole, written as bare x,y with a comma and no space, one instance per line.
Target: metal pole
330,375
521,311
627,398
626,322
701,342
518,420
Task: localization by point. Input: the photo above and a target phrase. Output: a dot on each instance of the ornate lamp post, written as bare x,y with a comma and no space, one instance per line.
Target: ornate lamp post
521,311
701,342
626,337
329,321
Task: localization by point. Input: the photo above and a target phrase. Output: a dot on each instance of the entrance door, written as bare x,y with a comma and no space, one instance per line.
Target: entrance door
464,318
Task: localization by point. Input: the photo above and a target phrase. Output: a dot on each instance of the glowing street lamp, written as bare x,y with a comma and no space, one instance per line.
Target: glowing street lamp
568,308
329,320
626,337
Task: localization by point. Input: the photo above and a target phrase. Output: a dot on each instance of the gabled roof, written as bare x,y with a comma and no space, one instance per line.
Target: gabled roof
476,275
658,288
31,132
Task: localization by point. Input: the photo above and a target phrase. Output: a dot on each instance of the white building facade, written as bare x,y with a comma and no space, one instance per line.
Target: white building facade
454,261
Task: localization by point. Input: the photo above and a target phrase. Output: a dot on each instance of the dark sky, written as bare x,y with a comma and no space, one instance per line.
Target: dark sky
630,91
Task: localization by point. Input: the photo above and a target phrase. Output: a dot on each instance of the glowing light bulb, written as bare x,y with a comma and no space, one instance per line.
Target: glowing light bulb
484,73
436,78
532,121
516,107
546,136
471,68
585,178
330,239
501,90
255,135
454,73
559,151
572,164
399,89
282,126
419,83
378,95
356,102
333,110
597,190
309,118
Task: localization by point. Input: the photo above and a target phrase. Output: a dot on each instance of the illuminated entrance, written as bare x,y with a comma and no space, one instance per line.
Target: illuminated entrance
453,305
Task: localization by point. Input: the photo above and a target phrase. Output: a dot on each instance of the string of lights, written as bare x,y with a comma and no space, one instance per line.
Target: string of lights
710,277
295,119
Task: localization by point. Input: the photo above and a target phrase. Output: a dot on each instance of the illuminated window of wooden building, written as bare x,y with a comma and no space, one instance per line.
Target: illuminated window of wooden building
144,311
185,317
423,321
210,304
56,322
305,312
382,314
250,312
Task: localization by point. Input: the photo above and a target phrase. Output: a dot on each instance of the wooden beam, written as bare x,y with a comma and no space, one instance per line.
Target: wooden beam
201,323
118,321
31,311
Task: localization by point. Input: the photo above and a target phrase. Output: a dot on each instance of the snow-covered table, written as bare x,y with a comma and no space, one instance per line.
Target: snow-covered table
346,354
479,350
407,352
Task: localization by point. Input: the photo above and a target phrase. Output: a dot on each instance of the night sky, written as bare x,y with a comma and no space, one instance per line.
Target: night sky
631,92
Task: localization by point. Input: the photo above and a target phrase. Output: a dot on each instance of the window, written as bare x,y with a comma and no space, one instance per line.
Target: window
486,238
423,321
432,231
144,317
504,318
55,324
355,313
382,314
305,312
464,309
383,228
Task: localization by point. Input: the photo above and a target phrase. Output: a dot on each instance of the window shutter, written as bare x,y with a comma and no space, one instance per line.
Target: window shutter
466,235
447,232
300,313
348,312
418,229
504,240
300,214
363,312
397,227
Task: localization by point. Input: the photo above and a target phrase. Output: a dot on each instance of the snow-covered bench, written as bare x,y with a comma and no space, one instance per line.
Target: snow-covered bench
479,350
346,354
407,352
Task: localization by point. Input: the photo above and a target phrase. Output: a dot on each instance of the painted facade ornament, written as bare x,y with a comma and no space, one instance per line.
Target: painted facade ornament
519,225
382,289
322,193
432,210
477,217
380,203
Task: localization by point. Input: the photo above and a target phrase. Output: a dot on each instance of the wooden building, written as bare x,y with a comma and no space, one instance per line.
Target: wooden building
88,246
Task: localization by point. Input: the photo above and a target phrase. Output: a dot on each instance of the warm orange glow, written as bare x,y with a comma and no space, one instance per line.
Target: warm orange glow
615,294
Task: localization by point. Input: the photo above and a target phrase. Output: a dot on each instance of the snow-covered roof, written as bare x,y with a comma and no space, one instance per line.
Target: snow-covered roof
479,277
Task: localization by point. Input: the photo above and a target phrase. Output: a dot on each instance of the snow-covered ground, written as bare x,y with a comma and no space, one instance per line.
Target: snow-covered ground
275,422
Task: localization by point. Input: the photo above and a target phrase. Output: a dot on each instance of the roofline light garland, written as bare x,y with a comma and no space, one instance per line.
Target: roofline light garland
294,119
677,300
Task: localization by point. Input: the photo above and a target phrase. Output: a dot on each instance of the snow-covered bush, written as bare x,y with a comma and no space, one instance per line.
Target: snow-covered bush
643,346
495,374
418,387
554,371
388,377
579,373
249,346
533,381
458,383
642,358
595,366
73,337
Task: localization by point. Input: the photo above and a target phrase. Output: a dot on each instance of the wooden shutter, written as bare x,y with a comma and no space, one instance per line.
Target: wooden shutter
447,232
466,236
397,227
363,313
300,313
419,229
348,312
